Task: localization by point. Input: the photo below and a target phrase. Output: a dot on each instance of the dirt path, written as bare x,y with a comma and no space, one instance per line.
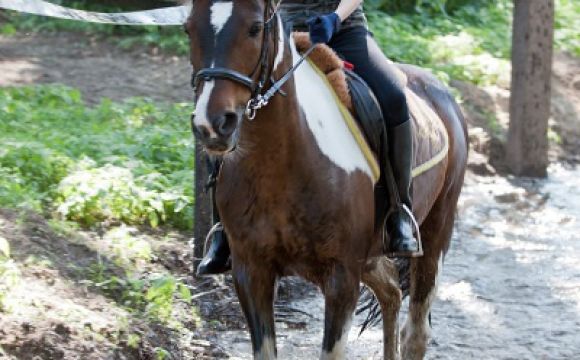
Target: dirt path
99,69
511,283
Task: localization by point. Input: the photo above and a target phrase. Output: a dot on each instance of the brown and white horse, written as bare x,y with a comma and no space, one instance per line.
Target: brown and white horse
295,191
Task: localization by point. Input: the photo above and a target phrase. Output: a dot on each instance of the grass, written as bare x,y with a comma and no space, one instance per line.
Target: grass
126,163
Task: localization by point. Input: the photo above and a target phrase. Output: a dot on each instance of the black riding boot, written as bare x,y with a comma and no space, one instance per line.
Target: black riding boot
217,258
400,223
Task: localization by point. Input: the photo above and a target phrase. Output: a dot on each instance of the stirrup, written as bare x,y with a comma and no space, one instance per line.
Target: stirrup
217,227
419,251
416,254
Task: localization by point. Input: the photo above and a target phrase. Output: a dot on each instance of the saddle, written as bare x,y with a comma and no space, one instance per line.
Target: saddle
430,142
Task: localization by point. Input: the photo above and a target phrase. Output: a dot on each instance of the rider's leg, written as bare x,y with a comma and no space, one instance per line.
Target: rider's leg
358,47
217,258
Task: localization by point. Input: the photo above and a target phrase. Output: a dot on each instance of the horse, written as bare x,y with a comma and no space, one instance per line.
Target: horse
295,192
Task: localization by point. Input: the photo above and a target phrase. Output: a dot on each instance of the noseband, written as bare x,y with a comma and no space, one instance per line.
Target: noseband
262,69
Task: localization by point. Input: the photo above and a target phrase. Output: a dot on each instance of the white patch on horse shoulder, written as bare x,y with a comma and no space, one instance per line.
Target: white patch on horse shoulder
268,349
280,54
339,349
201,118
325,120
220,14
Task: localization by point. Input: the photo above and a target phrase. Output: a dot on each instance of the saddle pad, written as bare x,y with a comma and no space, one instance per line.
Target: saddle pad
430,138
431,142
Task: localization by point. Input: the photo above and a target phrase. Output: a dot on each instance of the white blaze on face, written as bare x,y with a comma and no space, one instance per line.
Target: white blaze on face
220,14
325,120
201,116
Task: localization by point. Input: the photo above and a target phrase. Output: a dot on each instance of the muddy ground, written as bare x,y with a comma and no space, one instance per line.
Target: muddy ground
510,288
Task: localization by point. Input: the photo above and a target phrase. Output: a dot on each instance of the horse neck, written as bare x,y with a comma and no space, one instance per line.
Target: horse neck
276,135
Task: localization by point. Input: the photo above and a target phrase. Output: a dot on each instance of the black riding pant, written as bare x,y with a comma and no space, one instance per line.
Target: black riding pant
357,46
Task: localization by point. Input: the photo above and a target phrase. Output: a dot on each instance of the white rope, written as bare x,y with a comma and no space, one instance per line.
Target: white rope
176,15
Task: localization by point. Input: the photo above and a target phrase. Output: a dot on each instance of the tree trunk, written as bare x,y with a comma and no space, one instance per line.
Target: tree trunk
527,144
203,211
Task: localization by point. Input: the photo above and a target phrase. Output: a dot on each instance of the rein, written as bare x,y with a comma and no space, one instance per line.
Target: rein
258,99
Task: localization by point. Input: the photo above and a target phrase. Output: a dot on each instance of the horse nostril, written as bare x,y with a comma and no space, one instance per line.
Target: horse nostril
227,123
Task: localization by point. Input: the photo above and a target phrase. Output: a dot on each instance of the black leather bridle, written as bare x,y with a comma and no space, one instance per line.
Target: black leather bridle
262,70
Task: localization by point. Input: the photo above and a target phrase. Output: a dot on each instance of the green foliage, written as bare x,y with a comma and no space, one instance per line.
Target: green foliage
431,6
153,296
472,44
125,248
15,192
466,39
567,32
129,162
162,354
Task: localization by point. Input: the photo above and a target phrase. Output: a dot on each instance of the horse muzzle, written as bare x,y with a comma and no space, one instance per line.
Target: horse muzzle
218,134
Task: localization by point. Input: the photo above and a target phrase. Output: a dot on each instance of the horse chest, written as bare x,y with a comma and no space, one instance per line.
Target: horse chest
291,229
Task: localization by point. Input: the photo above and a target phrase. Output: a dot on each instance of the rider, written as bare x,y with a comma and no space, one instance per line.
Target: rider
342,25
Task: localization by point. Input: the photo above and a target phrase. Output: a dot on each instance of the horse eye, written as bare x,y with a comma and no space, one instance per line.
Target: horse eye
255,29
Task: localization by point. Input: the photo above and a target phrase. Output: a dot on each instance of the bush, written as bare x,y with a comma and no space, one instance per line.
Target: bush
458,46
431,6
129,162
112,193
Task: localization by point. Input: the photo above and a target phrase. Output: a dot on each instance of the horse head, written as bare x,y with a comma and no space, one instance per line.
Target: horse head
233,45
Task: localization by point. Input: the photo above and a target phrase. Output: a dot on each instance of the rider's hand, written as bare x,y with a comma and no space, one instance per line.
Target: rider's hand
323,27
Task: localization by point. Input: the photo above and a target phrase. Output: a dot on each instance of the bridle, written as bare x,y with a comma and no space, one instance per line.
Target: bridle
262,70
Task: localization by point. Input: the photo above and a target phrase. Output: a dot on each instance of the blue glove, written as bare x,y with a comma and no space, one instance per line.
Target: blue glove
323,27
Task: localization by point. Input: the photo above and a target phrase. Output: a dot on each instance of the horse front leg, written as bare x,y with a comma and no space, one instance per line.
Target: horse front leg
341,291
255,287
381,276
